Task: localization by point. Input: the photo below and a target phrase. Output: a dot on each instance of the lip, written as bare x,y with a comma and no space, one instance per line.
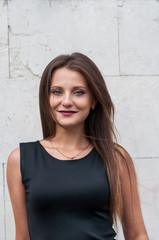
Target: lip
67,113
63,111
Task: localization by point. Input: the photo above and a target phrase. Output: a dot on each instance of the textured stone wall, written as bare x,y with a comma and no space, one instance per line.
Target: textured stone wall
122,38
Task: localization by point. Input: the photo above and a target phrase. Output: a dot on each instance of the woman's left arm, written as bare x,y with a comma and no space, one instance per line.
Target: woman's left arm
132,219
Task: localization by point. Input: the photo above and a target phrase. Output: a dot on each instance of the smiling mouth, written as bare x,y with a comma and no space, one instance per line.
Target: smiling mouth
67,113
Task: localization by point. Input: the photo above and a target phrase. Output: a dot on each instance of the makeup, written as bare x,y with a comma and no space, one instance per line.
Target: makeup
67,113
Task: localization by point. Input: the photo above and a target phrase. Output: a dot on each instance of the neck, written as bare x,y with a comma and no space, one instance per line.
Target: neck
70,139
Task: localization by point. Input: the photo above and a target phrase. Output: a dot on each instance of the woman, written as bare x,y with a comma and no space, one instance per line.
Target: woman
73,184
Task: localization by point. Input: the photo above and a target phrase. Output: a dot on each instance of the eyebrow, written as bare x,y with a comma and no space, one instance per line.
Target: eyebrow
73,87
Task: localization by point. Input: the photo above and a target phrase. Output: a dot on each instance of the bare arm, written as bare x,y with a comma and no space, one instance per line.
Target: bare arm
133,224
17,195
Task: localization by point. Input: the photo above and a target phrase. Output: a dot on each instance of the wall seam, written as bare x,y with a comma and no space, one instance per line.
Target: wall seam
118,33
131,75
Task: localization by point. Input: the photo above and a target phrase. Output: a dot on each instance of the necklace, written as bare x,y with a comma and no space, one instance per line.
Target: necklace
67,156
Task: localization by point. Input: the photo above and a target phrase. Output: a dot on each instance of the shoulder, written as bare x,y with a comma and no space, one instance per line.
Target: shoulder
13,162
13,166
14,156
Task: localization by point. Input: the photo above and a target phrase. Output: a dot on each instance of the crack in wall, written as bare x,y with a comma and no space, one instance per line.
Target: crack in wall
29,69
9,59
21,34
20,69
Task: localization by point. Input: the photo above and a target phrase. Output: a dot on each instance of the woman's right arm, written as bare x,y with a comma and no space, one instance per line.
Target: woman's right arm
17,195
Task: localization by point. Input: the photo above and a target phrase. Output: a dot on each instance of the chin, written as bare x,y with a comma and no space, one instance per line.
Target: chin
70,124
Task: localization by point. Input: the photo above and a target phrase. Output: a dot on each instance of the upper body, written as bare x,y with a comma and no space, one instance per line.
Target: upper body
66,199
69,136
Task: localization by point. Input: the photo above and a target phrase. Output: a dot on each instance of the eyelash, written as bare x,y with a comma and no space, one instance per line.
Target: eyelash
81,92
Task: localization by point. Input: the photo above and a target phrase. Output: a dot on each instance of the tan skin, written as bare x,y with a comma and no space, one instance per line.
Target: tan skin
66,139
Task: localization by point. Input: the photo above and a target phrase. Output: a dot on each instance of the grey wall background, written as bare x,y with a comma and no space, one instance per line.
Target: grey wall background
122,38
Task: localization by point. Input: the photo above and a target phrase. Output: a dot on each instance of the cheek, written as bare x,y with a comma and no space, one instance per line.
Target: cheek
53,102
84,101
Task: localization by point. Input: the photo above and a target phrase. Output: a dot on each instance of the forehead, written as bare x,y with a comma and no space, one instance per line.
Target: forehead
67,76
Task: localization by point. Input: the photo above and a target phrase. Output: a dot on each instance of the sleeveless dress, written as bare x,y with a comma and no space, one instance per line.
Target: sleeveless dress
66,199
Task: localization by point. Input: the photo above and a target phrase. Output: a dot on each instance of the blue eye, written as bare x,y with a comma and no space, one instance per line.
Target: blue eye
56,92
79,92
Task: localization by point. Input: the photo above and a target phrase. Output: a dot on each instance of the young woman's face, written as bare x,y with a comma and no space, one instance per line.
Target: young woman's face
69,92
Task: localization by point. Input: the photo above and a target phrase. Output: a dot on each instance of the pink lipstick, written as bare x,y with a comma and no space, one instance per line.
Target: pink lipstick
67,113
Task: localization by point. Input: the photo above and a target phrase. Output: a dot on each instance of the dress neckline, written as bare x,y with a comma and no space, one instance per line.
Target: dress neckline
67,161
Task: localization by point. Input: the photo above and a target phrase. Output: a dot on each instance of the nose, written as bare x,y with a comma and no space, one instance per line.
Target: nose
67,100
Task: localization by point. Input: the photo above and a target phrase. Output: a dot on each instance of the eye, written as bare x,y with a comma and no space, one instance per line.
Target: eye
56,92
79,92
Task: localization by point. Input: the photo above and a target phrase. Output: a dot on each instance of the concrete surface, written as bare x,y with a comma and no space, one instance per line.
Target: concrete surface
122,38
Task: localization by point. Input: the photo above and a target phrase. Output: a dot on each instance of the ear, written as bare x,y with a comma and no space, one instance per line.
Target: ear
93,104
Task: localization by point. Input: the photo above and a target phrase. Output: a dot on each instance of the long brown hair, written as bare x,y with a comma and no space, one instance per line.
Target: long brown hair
99,125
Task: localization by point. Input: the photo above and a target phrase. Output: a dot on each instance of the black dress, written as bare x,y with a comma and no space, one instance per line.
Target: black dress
66,199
